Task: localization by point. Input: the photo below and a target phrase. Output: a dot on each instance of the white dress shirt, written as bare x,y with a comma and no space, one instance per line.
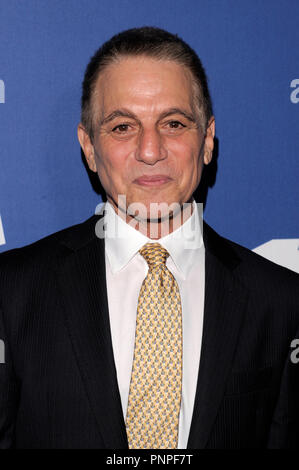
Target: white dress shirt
125,272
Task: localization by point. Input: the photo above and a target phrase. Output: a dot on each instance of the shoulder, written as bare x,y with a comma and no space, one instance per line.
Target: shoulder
255,271
47,249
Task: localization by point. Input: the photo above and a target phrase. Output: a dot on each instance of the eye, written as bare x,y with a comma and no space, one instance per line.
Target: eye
173,127
176,125
121,128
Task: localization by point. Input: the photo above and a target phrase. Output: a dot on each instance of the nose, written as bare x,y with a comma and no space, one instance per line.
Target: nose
150,147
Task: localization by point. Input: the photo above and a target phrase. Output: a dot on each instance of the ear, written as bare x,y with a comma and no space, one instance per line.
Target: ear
209,141
87,147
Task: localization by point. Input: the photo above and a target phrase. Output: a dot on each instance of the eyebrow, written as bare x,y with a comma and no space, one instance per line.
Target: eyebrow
117,113
129,114
184,113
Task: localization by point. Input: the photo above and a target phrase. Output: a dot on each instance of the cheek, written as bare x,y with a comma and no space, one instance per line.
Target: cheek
113,158
185,156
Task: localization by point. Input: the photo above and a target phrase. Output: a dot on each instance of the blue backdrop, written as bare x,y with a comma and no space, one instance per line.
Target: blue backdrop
251,55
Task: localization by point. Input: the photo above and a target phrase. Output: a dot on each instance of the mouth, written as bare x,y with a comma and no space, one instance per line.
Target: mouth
154,180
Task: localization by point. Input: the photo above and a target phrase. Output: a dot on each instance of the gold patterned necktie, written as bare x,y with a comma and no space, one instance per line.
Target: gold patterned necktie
156,382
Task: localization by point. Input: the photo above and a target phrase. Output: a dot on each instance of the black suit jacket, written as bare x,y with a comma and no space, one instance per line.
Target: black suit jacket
59,386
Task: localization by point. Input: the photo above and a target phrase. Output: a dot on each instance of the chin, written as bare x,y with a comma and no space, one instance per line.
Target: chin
153,208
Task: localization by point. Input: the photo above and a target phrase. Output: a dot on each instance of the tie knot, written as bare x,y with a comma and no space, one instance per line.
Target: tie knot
154,254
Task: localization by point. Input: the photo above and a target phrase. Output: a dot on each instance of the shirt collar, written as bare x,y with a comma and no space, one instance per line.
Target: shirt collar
122,241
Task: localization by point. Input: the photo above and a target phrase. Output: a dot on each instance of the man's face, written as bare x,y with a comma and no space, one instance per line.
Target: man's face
147,144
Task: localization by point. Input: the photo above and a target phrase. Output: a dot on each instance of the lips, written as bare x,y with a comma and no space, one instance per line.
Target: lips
153,180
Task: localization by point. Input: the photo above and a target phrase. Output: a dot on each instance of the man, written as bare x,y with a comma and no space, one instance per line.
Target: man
147,329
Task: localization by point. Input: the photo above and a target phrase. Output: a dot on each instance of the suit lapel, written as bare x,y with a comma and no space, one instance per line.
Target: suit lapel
225,304
82,280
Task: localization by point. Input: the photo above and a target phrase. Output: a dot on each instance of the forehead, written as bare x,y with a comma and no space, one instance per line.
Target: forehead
143,83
